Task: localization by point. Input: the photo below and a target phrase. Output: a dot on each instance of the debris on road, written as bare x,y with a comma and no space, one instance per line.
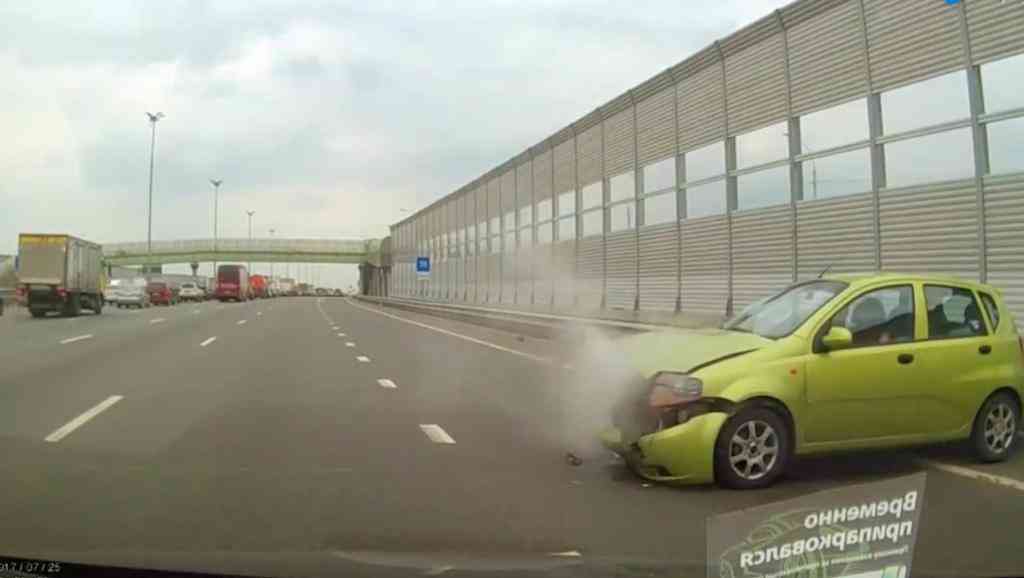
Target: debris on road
573,460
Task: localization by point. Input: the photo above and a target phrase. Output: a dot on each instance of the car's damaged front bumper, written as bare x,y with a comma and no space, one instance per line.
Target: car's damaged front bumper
681,454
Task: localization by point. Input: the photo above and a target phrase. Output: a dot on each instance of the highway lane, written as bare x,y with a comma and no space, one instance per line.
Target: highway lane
275,439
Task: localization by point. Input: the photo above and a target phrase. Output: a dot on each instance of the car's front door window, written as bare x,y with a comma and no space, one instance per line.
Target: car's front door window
879,317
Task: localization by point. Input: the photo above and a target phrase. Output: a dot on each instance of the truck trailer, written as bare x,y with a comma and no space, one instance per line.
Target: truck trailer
60,273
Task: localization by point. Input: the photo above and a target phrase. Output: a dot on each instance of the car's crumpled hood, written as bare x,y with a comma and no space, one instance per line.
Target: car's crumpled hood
683,350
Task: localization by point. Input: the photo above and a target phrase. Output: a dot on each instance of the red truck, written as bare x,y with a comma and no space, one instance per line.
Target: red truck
258,286
232,283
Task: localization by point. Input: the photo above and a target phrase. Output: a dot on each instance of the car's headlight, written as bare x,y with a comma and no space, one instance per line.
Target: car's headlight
669,389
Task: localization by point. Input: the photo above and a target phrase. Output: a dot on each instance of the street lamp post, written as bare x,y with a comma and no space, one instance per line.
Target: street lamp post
271,262
250,213
216,194
153,118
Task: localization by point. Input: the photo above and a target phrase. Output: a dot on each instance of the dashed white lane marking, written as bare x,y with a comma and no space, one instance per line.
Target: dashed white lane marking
566,554
207,342
326,317
76,423
242,322
259,314
436,433
458,335
157,320
363,359
195,312
74,339
975,474
335,328
387,383
350,344
341,335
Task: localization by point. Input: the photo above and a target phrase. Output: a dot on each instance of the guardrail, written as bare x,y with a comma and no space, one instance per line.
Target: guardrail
535,324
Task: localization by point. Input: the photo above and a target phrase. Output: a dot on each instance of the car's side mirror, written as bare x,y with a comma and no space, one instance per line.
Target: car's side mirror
837,338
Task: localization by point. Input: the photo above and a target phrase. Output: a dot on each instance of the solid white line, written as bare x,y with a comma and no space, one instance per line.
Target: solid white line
242,322
975,474
350,344
363,359
74,339
454,334
436,433
157,320
76,423
207,342
387,383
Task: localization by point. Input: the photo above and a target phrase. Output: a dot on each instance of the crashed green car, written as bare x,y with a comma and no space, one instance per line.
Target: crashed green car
834,364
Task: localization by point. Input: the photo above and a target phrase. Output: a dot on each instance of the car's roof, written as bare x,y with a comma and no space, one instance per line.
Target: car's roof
871,277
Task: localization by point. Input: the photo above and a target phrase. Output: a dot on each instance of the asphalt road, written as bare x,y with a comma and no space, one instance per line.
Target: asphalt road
251,438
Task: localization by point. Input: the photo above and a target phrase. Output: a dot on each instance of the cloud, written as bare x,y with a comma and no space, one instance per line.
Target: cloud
325,119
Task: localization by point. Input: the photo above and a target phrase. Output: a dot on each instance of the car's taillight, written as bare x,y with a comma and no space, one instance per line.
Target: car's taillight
61,292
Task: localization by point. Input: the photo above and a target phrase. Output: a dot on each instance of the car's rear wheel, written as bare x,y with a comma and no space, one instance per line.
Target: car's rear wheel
752,450
995,428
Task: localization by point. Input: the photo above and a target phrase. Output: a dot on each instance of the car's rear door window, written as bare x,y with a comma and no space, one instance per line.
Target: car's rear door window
992,308
879,317
952,312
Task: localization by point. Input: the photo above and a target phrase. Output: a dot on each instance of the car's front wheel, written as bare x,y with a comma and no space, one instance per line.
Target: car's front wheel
752,450
996,427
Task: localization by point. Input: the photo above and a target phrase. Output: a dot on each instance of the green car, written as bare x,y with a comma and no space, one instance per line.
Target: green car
844,362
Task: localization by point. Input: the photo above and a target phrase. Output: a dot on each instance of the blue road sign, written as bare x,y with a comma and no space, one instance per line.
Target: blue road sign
423,264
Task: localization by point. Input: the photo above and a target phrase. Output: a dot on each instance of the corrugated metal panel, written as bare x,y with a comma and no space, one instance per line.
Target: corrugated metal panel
996,29
756,84
1004,238
658,267
589,273
911,40
524,275
619,146
705,259
493,197
524,185
564,274
656,126
589,155
508,278
494,278
542,176
508,191
836,233
471,279
483,278
826,59
565,166
762,253
620,270
701,103
481,203
949,242
542,274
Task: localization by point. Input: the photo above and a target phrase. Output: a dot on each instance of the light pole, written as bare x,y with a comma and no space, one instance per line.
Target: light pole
216,193
271,262
153,118
250,213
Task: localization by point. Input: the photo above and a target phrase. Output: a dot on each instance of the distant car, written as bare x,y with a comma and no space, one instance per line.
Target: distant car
132,293
191,292
110,293
846,362
338,293
160,293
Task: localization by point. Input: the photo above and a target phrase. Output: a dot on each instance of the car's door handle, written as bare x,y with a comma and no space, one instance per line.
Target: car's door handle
905,358
985,349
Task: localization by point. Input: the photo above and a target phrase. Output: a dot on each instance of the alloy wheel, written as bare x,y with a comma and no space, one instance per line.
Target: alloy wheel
1000,428
753,450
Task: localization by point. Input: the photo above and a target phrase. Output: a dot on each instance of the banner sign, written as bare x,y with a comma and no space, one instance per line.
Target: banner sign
862,531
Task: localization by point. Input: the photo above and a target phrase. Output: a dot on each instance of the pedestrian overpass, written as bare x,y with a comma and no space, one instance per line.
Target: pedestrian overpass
353,251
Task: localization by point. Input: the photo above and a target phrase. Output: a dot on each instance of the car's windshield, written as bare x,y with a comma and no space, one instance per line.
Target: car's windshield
781,314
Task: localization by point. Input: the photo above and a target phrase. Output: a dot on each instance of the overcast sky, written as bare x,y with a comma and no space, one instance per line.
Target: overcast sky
325,119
